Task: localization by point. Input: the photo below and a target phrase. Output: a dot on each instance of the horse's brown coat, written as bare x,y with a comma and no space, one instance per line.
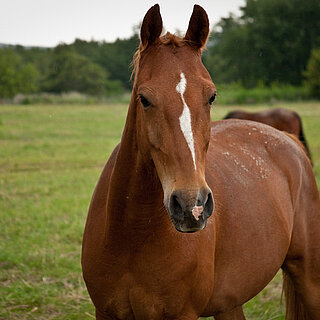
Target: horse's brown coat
279,118
267,209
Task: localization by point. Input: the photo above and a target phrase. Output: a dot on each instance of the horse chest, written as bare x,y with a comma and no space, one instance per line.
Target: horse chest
154,288
133,298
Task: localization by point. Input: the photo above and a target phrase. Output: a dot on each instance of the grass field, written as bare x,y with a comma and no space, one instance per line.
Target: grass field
50,160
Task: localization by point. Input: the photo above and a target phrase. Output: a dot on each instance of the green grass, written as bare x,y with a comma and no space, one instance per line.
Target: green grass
50,160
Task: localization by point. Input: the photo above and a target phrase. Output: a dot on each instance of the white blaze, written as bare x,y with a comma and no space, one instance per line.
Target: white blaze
185,118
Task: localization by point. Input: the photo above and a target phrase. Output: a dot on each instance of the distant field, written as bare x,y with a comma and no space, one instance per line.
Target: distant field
50,160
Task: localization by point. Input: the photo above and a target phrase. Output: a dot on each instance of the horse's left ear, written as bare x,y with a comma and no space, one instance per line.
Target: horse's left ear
198,30
151,26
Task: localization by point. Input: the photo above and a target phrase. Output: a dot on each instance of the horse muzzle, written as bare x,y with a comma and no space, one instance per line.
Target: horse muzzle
189,210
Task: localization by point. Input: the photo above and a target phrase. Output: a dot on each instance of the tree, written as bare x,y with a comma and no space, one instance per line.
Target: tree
15,76
229,58
70,71
284,33
116,58
271,41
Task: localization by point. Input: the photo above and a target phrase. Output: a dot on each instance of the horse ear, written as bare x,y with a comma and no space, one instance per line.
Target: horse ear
151,26
198,30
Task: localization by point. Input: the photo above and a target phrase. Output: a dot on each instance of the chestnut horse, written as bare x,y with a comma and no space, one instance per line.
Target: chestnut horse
279,118
171,171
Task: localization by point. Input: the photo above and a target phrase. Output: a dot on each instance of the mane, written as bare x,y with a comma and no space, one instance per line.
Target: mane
167,39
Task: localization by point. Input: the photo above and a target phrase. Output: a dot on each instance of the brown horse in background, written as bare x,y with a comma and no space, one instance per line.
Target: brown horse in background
190,218
279,118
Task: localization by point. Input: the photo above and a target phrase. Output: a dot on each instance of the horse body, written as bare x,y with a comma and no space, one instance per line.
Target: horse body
257,209
163,274
164,177
279,118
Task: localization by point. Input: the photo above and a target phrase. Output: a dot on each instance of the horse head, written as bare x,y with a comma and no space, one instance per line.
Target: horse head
173,93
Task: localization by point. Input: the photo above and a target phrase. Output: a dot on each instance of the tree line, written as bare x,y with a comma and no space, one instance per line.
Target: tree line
90,67
271,42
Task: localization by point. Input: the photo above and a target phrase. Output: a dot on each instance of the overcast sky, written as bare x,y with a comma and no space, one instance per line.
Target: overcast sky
49,22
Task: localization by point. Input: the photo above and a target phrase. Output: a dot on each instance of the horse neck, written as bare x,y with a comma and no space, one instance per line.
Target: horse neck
135,197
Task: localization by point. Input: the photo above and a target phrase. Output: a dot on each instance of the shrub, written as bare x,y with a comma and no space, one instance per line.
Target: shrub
236,94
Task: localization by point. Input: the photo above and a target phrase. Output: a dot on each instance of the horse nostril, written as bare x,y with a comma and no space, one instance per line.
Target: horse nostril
176,206
209,206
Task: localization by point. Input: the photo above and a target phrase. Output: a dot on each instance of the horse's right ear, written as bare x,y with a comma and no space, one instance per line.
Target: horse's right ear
151,26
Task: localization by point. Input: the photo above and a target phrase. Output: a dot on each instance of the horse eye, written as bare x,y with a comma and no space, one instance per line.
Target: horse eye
144,101
212,98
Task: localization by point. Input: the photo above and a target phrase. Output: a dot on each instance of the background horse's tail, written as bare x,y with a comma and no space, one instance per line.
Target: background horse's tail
294,307
302,138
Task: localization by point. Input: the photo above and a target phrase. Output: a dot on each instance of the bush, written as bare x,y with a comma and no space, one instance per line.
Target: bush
235,93
52,98
312,73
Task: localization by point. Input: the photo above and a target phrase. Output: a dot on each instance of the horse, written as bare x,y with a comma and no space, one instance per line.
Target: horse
191,218
279,118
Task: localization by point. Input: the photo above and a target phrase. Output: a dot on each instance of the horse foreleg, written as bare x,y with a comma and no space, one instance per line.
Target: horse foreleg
234,314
